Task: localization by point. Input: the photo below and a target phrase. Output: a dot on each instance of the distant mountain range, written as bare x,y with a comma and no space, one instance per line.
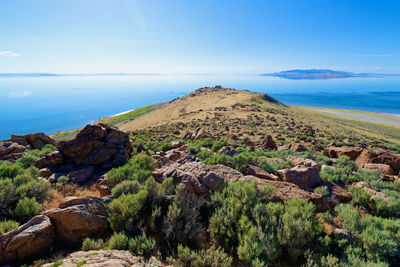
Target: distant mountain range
322,74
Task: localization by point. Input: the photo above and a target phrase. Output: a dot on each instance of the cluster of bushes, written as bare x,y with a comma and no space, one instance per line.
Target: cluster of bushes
21,194
32,156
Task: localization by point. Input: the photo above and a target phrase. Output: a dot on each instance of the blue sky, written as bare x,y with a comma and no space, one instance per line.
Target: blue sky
216,36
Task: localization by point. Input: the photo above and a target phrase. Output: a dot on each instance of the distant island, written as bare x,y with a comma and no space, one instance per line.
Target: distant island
321,74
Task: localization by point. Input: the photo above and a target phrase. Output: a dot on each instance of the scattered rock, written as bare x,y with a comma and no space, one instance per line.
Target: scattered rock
284,147
269,144
34,141
108,258
197,134
227,150
384,168
305,178
379,156
79,218
30,239
298,161
260,173
10,151
176,144
299,148
335,152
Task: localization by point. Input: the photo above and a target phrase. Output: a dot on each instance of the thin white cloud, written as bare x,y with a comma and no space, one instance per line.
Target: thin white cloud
375,55
9,54
20,94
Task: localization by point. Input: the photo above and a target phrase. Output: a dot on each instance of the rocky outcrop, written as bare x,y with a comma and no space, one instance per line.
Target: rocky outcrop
79,218
197,134
260,173
108,258
227,150
384,168
96,148
379,156
198,177
33,141
305,178
335,152
298,161
10,151
285,191
30,239
269,144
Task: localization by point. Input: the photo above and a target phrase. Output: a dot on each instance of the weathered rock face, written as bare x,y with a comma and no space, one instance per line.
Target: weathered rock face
384,168
107,258
100,146
227,150
198,177
260,173
197,134
379,156
10,151
269,143
305,178
285,191
79,218
35,141
30,239
297,161
335,152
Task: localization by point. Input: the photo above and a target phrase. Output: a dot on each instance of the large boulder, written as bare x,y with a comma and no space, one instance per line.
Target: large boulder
384,168
298,161
30,239
305,178
107,258
79,218
269,144
335,152
99,145
198,134
35,141
379,156
10,151
260,173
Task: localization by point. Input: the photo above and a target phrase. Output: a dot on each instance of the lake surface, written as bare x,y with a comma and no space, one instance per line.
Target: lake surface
51,104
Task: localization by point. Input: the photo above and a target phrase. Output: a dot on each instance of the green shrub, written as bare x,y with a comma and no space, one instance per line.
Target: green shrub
323,160
126,187
9,170
7,225
123,211
218,144
360,196
8,197
165,146
322,190
214,257
142,245
117,175
344,162
118,241
204,154
338,175
182,223
37,189
27,208
27,160
192,149
92,244
21,179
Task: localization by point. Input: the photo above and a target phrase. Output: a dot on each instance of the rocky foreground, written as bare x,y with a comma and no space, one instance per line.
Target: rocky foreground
170,197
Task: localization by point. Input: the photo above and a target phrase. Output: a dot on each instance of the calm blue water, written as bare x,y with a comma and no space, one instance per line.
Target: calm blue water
51,104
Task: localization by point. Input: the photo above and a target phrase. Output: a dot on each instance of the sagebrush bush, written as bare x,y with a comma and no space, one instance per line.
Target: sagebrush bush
322,190
142,245
8,196
7,225
27,208
214,257
126,187
37,189
118,241
92,244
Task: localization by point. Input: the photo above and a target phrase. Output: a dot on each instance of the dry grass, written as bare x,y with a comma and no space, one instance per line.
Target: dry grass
59,196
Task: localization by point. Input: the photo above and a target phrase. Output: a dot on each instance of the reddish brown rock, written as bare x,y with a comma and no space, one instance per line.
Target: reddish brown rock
197,134
103,187
10,151
35,141
284,147
79,218
384,168
305,178
45,173
335,152
269,144
379,156
81,175
299,148
260,173
30,239
298,161
176,144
